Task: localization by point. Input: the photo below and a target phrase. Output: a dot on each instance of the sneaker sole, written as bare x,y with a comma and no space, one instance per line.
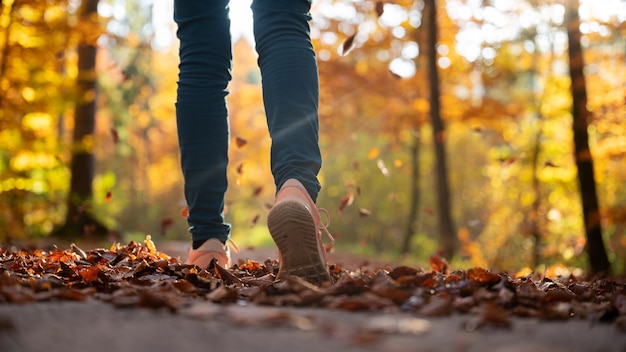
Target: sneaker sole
293,229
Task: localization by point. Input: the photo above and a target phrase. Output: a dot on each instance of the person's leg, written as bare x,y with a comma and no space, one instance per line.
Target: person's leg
290,94
290,89
201,113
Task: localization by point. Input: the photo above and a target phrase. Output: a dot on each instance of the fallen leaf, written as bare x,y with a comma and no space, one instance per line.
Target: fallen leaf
437,263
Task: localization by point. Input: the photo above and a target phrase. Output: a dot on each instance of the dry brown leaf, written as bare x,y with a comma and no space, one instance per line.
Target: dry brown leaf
347,44
380,8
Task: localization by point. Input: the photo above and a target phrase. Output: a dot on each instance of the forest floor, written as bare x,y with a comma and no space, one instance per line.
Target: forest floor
93,325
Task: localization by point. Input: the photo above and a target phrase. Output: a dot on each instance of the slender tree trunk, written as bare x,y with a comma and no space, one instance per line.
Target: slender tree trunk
4,58
598,259
446,228
412,220
534,211
79,221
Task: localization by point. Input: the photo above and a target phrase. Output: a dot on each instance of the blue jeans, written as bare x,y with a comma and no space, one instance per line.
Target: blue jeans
290,95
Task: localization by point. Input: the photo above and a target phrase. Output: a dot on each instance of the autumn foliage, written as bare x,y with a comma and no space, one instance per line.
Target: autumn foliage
504,97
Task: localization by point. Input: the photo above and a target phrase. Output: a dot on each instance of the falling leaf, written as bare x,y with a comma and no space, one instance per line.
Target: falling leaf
380,8
240,142
508,160
549,164
364,212
255,219
115,135
346,201
347,44
257,191
240,169
108,196
373,153
185,212
394,75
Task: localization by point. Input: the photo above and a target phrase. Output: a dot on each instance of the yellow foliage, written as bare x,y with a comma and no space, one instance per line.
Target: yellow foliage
39,122
25,160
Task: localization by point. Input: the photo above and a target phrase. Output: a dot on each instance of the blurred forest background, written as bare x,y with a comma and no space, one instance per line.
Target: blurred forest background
88,131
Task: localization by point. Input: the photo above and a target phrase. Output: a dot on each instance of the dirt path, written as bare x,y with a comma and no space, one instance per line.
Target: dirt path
99,327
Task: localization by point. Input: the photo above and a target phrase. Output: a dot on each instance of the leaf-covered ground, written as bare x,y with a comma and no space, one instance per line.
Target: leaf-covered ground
138,275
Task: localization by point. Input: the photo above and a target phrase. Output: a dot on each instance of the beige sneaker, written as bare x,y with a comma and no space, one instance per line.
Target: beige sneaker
294,222
212,248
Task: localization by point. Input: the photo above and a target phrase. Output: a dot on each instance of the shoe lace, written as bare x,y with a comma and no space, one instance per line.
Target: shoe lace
324,229
232,245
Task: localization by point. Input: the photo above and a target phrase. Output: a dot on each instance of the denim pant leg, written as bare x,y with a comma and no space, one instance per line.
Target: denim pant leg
290,89
201,112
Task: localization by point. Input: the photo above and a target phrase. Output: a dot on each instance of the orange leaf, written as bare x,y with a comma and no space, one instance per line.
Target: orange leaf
185,212
108,197
346,201
483,276
437,263
89,274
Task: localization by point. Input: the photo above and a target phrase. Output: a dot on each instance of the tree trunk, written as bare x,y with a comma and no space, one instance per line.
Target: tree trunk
79,221
598,259
534,210
446,228
412,220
